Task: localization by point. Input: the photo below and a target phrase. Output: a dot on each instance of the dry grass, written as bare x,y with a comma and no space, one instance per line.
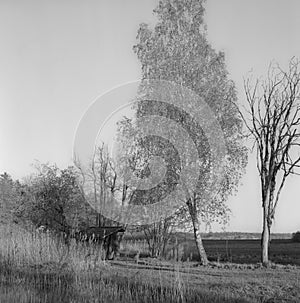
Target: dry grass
39,268
20,248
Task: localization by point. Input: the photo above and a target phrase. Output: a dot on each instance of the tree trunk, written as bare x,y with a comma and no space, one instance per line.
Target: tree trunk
191,203
198,240
265,239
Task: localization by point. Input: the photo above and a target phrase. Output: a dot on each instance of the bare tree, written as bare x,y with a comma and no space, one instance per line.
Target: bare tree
274,111
101,183
158,235
104,179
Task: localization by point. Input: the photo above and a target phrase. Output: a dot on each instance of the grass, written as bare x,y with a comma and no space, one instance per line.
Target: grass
39,268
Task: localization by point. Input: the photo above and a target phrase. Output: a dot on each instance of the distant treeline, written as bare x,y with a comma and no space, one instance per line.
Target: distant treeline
214,236
243,235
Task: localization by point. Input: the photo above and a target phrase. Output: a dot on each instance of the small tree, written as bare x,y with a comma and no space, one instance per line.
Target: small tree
104,183
296,237
158,235
56,201
10,197
274,111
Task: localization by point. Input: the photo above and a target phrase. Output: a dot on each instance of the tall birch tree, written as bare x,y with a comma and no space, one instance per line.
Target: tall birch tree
177,50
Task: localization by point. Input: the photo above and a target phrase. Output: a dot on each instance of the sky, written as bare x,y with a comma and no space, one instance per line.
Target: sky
56,57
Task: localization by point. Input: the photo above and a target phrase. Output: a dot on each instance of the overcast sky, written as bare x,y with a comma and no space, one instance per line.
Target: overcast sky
57,56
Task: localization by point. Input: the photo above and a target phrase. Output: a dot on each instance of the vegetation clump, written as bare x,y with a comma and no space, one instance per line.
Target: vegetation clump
296,237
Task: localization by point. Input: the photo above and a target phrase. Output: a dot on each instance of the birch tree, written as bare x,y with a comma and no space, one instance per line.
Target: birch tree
177,50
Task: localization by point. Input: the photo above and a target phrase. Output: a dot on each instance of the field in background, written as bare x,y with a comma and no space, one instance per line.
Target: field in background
245,250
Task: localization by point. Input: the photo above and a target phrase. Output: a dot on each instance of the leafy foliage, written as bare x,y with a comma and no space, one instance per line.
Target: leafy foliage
10,195
296,237
177,50
55,199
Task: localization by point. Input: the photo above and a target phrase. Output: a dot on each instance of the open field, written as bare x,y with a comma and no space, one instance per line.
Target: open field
246,251
282,251
41,269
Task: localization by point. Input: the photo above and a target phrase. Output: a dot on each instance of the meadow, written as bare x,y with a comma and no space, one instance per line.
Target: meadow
36,267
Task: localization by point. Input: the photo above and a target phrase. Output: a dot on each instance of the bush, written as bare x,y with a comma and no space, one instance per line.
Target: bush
296,237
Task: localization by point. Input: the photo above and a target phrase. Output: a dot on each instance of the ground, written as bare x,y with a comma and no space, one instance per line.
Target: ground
154,281
39,268
249,283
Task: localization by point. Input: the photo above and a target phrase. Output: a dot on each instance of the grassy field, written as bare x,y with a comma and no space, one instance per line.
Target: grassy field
38,268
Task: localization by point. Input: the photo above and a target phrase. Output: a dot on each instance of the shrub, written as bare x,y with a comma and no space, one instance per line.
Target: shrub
296,237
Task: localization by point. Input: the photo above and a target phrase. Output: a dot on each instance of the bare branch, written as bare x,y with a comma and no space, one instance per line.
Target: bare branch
274,114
